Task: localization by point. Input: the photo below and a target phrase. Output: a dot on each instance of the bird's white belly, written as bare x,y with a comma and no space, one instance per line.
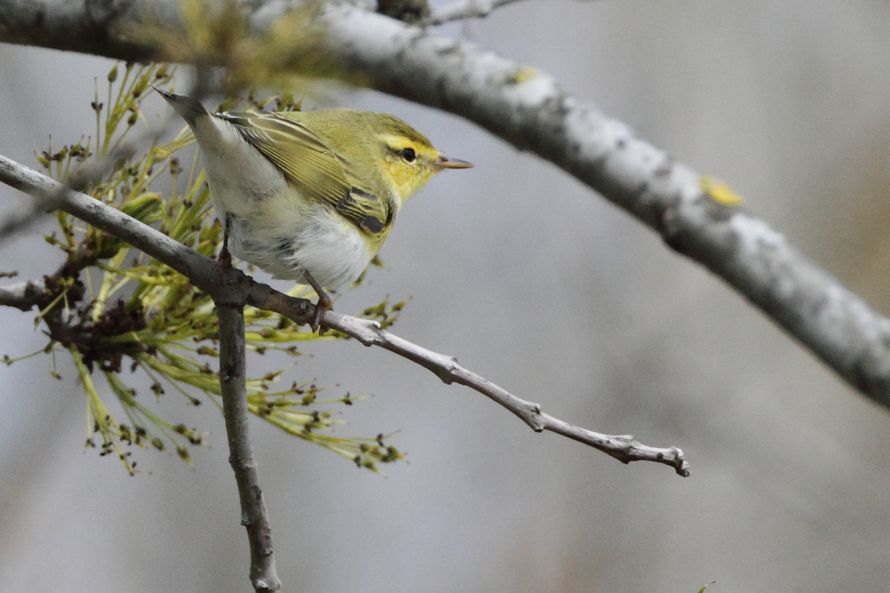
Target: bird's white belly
287,237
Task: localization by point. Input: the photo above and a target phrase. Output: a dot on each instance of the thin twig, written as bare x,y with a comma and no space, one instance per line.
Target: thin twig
79,179
22,295
230,285
232,380
622,447
463,9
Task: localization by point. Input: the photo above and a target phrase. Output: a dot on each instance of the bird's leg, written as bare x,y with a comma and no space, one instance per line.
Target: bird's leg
224,257
324,301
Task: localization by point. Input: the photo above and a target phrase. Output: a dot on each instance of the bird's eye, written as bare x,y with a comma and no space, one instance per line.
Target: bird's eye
409,155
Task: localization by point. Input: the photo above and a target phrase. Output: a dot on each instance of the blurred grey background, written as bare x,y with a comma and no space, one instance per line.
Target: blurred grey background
538,284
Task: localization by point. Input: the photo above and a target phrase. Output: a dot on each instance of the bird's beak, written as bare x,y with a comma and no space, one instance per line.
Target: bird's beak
443,162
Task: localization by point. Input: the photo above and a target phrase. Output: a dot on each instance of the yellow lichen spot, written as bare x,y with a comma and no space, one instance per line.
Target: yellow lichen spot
524,74
719,192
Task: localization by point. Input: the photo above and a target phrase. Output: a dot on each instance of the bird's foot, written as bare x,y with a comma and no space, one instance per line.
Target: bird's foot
323,305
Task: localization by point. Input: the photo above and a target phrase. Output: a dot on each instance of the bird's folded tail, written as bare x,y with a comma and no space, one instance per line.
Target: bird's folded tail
187,107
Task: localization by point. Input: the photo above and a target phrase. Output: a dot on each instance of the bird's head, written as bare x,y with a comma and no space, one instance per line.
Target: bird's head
408,160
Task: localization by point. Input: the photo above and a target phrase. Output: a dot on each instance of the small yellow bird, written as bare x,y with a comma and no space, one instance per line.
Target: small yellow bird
309,195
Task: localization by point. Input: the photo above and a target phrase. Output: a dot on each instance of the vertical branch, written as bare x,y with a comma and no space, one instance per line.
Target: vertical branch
232,378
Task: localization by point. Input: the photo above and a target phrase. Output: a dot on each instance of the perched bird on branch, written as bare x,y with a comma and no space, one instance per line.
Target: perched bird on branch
309,195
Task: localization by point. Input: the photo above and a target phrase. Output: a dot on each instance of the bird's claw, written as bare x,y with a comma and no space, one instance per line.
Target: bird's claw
323,305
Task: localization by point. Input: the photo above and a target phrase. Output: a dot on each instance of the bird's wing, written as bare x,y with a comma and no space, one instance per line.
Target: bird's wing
316,171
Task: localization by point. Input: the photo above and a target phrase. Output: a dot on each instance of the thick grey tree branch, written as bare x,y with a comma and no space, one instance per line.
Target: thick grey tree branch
230,286
529,109
232,379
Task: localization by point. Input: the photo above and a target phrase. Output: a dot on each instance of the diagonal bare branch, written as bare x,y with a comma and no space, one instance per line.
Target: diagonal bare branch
622,447
94,168
229,286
